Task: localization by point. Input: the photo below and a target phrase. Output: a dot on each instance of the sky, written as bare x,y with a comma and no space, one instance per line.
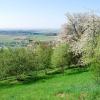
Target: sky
41,14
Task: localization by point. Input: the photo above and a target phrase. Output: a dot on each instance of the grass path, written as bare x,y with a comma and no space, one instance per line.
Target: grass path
78,86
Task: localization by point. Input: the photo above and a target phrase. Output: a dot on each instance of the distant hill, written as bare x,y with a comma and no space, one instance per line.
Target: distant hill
48,32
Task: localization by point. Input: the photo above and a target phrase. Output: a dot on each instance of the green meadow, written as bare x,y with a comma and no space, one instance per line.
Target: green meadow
67,86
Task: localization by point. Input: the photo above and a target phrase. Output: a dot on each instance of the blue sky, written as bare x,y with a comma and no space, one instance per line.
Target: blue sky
31,14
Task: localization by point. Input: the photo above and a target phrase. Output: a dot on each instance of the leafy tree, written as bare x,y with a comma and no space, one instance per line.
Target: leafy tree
91,56
17,62
4,62
23,62
78,30
61,57
43,56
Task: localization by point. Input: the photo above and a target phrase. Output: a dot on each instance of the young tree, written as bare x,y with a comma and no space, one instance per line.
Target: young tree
91,56
61,57
23,62
43,56
17,62
5,58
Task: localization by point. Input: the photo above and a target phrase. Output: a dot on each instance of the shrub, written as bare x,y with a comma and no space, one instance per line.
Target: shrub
23,62
5,60
92,57
15,62
61,57
96,61
43,57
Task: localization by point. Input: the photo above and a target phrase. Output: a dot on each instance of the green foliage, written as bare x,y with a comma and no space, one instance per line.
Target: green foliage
23,61
96,61
43,56
92,57
15,62
4,62
95,68
61,57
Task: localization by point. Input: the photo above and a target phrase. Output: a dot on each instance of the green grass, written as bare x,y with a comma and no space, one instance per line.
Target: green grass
42,38
10,37
74,86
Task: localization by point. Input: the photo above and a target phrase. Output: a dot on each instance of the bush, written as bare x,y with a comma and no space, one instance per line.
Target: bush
22,61
95,66
61,56
15,62
92,57
43,57
5,60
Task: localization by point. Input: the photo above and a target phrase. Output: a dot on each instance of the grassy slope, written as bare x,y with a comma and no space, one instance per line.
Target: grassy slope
59,87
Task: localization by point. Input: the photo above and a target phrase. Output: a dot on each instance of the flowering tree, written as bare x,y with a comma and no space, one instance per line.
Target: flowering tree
80,29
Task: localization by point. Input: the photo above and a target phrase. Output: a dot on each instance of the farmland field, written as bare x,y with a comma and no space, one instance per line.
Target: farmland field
22,40
9,38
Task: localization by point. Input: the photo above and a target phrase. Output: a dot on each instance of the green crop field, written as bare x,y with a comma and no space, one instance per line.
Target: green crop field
9,38
74,86
20,40
42,37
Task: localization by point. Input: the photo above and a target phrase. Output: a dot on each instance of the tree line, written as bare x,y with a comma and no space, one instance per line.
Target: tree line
26,61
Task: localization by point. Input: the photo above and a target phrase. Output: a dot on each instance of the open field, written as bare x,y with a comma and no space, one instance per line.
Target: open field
10,38
42,37
73,86
22,40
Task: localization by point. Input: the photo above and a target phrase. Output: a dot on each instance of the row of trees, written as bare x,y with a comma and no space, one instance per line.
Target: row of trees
24,61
